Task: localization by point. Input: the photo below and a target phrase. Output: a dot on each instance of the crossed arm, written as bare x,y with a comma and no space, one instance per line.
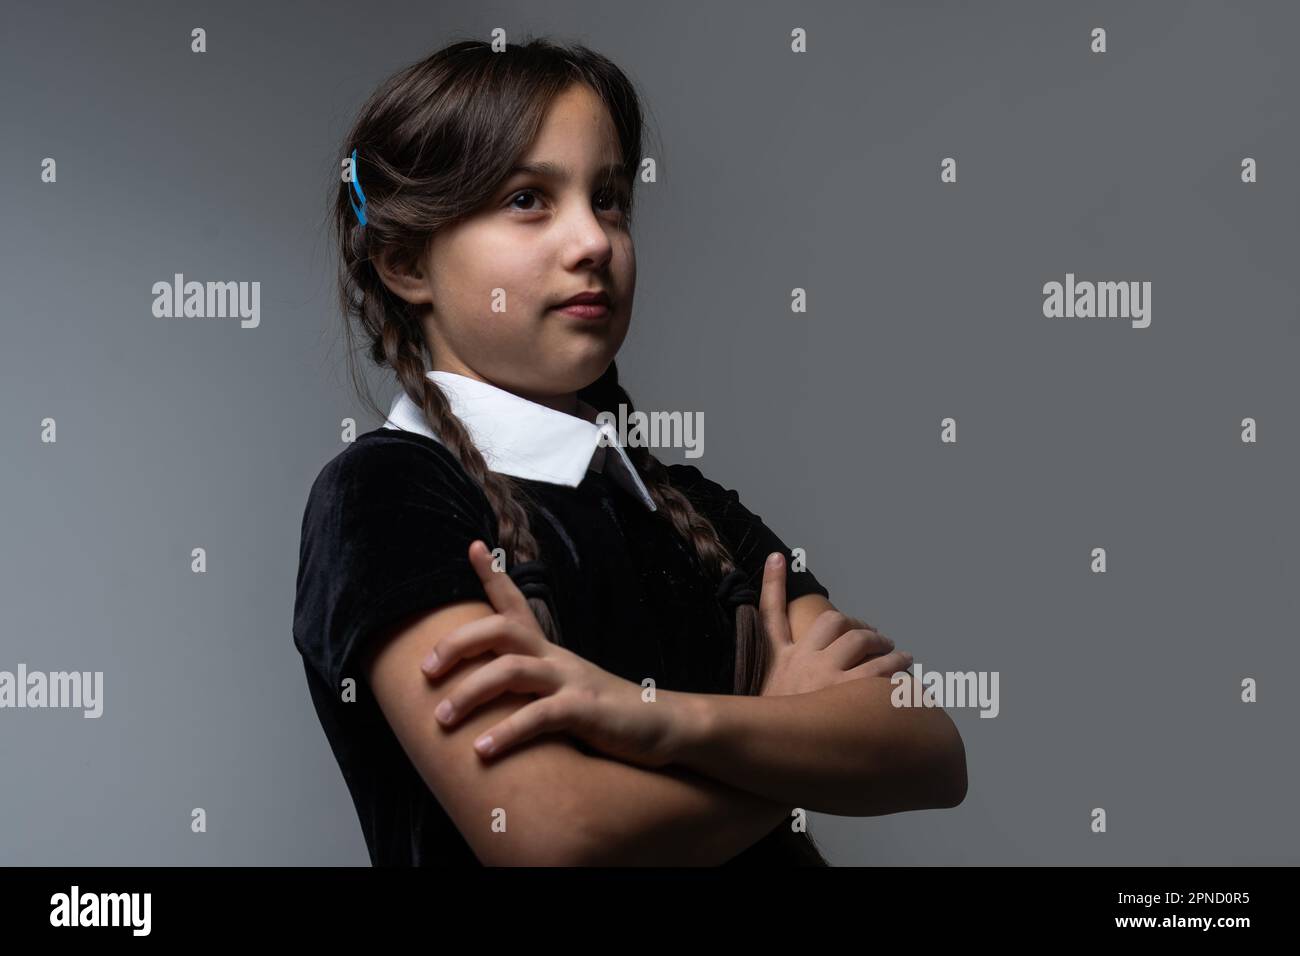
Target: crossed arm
741,766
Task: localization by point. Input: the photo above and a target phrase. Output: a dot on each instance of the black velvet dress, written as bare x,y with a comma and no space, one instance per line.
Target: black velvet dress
385,534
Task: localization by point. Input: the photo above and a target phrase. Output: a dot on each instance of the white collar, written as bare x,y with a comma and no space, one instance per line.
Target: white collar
525,439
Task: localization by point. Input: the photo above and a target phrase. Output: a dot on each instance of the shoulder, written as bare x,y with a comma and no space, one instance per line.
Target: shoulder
387,454
385,469
389,506
746,535
718,503
689,480
707,495
385,533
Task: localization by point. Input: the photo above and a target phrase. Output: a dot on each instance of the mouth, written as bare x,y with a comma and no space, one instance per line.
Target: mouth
584,310
586,305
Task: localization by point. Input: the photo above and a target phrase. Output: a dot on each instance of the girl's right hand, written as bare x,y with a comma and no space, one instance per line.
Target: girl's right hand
574,695
836,647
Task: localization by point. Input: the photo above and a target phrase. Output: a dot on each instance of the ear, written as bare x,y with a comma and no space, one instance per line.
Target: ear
406,280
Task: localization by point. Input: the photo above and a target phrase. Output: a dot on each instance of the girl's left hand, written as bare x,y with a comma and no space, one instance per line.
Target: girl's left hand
598,707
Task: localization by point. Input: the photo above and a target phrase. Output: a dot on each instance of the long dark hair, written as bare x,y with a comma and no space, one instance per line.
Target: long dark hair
433,144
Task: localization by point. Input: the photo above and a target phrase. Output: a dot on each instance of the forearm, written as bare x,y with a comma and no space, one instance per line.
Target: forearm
845,749
633,816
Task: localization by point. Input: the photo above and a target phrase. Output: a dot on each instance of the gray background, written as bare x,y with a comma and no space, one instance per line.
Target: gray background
821,171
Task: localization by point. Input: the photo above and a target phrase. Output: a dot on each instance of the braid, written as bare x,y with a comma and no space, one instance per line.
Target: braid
752,650
403,353
753,654
425,168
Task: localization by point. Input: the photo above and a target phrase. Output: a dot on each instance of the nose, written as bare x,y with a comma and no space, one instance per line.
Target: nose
586,241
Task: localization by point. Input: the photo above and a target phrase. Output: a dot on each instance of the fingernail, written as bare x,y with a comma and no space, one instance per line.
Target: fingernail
431,661
774,560
444,711
484,744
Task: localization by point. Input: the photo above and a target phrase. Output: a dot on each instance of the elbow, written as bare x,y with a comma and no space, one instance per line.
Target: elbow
569,830
563,852
554,850
541,839
573,848
930,769
954,783
949,772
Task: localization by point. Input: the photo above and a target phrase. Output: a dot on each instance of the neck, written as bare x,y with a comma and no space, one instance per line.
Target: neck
567,402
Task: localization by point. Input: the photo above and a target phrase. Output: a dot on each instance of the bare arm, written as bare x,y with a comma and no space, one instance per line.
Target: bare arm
844,749
562,806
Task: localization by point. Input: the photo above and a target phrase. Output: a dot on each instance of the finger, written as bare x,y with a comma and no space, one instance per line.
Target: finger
544,715
502,592
511,673
855,646
885,666
826,628
859,624
771,601
496,632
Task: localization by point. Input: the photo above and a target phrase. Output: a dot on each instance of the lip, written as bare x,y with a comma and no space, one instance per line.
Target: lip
593,304
584,310
592,297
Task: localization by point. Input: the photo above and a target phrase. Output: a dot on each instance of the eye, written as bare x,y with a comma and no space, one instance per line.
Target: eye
618,197
522,192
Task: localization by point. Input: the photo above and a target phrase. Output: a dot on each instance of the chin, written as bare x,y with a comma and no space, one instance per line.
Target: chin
581,374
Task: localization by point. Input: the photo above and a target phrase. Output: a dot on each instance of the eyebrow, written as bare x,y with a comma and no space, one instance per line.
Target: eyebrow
549,170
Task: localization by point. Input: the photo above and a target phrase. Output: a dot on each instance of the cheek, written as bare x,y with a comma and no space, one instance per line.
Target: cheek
485,261
516,267
625,262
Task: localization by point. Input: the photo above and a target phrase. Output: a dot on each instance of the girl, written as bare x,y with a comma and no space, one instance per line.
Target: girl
657,693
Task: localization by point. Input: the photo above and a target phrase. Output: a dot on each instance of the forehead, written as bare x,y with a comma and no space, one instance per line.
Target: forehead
577,128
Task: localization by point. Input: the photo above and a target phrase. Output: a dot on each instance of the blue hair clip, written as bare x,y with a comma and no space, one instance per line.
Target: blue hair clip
356,186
